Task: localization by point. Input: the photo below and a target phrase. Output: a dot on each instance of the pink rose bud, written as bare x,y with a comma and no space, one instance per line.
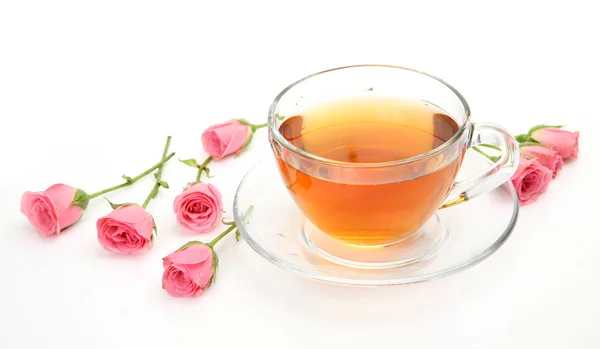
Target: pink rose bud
546,157
227,138
54,209
530,180
566,143
126,230
189,271
199,208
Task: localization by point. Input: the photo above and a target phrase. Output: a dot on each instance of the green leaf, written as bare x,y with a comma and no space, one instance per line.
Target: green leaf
215,266
238,236
244,122
207,171
370,89
115,206
189,185
154,227
127,179
526,144
539,127
215,260
522,138
81,199
279,117
191,162
164,184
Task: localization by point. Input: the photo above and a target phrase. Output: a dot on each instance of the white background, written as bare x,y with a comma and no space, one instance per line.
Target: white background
89,91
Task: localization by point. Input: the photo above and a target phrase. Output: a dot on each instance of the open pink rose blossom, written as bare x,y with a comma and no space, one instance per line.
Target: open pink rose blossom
188,271
566,143
199,208
530,180
54,209
126,230
224,139
545,156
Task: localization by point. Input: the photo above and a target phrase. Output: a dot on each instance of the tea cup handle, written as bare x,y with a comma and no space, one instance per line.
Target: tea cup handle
499,171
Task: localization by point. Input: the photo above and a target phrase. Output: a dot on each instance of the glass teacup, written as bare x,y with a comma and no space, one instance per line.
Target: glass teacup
369,153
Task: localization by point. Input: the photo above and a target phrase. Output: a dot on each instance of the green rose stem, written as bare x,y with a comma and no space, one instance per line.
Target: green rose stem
256,127
130,181
220,236
202,168
493,158
214,241
232,227
158,177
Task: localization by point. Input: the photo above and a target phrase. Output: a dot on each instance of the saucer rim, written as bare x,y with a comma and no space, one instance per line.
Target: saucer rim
353,282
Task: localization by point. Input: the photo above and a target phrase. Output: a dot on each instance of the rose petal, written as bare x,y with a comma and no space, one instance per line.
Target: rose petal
566,143
199,207
223,139
177,284
42,218
191,255
27,201
61,195
202,273
135,218
120,237
530,180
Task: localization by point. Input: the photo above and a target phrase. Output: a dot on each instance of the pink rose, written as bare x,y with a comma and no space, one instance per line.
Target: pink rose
546,157
189,271
227,138
530,180
566,143
199,208
53,210
126,230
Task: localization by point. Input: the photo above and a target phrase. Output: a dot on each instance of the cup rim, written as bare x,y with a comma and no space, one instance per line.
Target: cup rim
272,122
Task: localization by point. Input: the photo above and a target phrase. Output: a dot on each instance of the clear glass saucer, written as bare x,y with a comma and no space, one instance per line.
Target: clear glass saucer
271,223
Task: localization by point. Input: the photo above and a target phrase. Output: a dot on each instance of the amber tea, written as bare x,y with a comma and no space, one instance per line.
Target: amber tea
369,129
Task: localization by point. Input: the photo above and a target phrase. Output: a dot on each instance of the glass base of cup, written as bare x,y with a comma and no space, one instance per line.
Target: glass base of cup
416,247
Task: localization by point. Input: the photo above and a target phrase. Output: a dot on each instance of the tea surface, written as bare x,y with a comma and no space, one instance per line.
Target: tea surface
375,129
369,130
